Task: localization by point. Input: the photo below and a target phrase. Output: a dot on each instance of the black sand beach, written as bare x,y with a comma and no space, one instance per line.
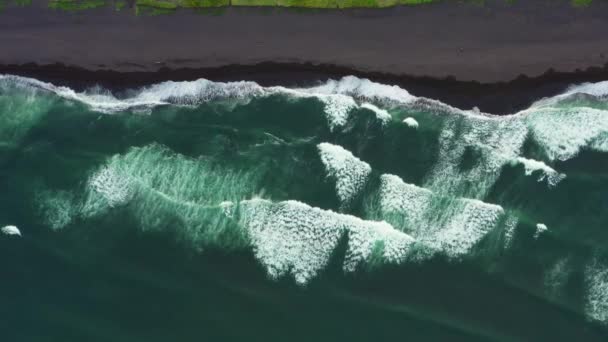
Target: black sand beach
489,43
498,57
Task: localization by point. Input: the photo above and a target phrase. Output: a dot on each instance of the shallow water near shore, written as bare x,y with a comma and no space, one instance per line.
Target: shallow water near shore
350,210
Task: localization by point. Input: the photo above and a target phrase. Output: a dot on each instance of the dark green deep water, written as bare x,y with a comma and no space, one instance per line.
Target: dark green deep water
186,212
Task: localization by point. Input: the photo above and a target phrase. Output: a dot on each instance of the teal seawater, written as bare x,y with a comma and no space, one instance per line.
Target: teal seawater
349,211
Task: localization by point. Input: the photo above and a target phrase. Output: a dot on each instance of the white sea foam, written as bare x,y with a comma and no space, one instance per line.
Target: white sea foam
109,187
509,230
363,88
102,102
451,227
600,142
472,221
289,238
337,109
161,189
488,141
57,208
474,146
169,92
598,90
348,171
113,185
363,239
472,151
596,299
545,172
560,130
19,113
540,229
199,91
595,89
10,230
227,208
411,200
337,96
563,132
382,115
411,122
292,238
556,277
444,225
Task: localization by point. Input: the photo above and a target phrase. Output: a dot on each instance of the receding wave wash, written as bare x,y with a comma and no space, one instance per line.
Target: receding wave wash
351,198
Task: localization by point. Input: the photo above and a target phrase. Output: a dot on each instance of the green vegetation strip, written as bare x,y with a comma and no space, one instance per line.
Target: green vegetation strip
75,5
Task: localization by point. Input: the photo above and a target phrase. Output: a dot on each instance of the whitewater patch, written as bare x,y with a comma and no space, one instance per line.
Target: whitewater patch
596,303
178,93
509,231
364,239
563,132
338,97
411,122
448,226
113,185
363,89
472,151
540,229
165,190
560,129
348,171
154,184
337,109
473,220
194,180
289,238
545,172
10,230
596,89
20,113
293,238
397,196
556,277
382,115
564,126
474,146
103,101
57,208
440,224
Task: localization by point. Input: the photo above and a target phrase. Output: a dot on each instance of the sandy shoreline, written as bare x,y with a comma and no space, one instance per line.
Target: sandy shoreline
415,47
498,98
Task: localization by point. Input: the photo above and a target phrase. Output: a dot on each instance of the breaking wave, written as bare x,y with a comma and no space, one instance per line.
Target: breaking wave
348,170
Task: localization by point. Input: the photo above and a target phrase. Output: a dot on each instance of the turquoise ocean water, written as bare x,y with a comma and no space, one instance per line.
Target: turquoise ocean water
348,211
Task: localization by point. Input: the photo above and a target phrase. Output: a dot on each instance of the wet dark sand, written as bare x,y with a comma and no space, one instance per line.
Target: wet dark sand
416,47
